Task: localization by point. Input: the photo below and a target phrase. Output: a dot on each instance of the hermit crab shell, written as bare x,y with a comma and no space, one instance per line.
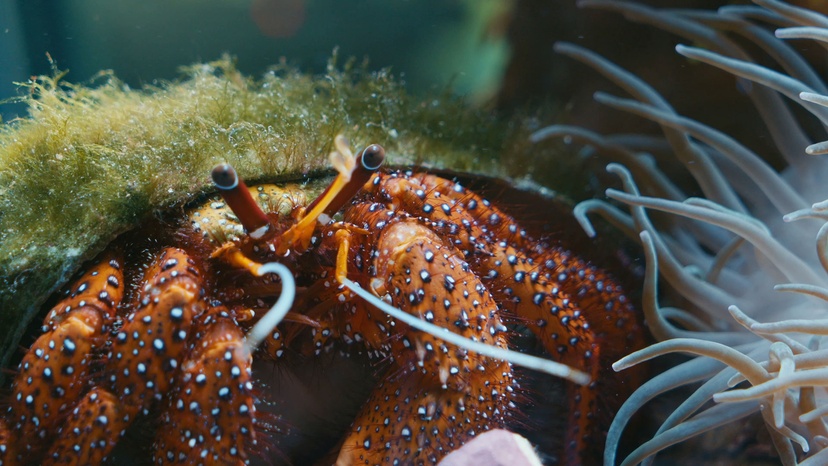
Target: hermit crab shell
92,162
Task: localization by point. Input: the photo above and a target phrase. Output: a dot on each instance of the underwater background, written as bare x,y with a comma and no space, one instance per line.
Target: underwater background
430,43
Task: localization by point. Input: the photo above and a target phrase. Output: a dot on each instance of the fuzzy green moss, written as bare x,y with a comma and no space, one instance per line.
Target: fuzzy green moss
93,161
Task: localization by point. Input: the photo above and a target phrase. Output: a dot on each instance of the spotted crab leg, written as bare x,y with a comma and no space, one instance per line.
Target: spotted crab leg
536,286
439,395
56,370
448,383
407,420
91,434
146,349
215,384
143,361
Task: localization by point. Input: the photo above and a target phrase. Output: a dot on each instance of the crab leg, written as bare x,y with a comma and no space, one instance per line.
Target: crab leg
216,379
145,351
563,329
541,304
594,288
210,415
480,223
142,361
536,286
56,370
92,432
407,420
436,396
430,279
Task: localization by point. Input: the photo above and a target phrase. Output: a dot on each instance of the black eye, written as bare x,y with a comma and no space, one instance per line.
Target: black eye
372,157
224,176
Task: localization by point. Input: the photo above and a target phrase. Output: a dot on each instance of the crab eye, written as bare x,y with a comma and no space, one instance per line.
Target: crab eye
225,176
372,157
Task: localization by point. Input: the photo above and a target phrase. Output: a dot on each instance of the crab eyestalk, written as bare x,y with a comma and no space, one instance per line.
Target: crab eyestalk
238,198
367,162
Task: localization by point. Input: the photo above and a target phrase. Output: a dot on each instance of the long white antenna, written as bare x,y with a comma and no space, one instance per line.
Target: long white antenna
275,314
524,360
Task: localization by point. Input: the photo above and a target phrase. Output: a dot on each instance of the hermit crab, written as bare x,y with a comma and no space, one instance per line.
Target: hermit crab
168,333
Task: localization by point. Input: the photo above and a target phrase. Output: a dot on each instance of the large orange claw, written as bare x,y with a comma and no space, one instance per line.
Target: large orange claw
440,395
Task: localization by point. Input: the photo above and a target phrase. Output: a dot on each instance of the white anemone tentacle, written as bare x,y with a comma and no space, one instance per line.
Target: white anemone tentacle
753,288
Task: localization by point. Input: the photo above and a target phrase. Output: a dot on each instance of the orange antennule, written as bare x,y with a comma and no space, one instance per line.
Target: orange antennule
354,172
238,198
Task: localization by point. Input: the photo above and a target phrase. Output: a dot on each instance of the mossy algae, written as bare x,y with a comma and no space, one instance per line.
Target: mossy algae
91,161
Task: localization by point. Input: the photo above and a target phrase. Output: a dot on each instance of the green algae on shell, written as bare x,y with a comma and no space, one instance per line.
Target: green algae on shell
90,162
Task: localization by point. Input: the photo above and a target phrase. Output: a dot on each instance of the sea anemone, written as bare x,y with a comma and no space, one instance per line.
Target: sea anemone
752,292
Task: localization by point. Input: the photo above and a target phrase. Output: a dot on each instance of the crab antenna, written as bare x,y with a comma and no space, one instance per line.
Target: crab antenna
237,196
271,319
368,161
524,360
